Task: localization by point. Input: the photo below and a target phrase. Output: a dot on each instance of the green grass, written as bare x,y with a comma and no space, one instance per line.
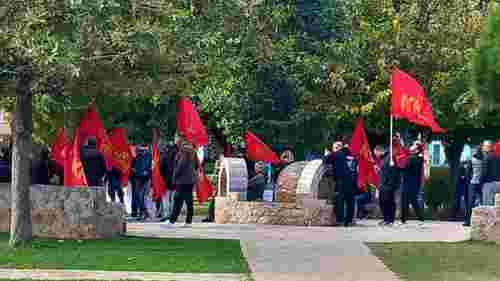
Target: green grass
128,254
440,261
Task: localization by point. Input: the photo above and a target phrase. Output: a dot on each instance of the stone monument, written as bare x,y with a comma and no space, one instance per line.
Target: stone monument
302,196
59,212
485,222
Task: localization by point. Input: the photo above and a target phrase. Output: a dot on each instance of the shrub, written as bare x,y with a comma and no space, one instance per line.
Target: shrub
438,190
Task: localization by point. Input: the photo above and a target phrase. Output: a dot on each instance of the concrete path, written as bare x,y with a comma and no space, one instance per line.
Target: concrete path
279,253
55,275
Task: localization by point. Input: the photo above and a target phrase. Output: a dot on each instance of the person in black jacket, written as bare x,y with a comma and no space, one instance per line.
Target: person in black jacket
491,177
345,175
412,182
184,178
390,180
93,163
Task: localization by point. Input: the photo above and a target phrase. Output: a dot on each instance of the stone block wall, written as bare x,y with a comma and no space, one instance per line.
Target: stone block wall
310,213
68,213
485,222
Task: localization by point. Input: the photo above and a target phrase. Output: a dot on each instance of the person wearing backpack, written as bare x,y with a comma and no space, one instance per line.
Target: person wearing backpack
345,174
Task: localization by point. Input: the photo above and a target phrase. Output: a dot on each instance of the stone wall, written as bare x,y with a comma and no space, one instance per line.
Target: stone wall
68,213
303,213
486,222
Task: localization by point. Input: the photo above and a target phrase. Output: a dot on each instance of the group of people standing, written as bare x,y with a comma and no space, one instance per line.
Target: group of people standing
481,176
393,176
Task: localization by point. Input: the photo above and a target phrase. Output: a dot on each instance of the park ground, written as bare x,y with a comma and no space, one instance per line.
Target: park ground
210,252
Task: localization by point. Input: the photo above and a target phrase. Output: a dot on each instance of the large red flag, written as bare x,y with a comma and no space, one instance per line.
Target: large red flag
189,124
74,174
122,155
159,185
360,147
257,150
410,102
91,125
59,147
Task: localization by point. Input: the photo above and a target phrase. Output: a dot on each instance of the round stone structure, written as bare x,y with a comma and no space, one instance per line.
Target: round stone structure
302,196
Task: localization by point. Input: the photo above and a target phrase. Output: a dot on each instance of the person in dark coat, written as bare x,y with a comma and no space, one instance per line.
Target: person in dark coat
257,184
345,175
184,178
390,180
412,182
40,169
141,170
93,163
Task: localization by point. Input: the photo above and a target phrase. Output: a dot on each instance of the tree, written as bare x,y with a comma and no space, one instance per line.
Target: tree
83,48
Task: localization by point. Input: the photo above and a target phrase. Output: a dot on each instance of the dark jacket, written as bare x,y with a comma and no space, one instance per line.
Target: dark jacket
256,186
492,172
390,176
329,160
345,171
412,173
185,170
93,165
115,178
167,163
141,166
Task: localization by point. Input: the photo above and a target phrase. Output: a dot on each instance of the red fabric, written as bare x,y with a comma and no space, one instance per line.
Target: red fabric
91,125
204,189
400,155
497,148
410,102
360,148
189,124
74,175
257,150
159,185
122,155
59,147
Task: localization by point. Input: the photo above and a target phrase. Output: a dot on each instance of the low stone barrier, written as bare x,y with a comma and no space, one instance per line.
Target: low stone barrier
59,212
485,222
311,213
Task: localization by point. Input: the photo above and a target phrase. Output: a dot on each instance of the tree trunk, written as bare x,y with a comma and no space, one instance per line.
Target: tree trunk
20,226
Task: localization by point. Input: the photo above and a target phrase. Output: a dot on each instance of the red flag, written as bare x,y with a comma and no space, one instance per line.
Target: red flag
360,147
74,174
159,185
91,125
122,156
410,102
257,150
59,147
204,189
189,124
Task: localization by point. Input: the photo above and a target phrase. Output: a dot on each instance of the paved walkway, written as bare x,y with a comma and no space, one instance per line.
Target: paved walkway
54,275
287,253
280,253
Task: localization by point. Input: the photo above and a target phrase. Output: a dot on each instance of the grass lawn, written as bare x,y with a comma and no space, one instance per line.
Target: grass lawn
128,254
440,261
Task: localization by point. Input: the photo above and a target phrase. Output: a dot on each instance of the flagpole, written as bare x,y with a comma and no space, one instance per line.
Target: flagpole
390,140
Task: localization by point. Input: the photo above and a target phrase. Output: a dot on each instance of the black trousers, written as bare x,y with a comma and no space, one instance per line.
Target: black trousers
211,210
115,189
139,190
184,193
387,200
344,200
409,195
472,193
